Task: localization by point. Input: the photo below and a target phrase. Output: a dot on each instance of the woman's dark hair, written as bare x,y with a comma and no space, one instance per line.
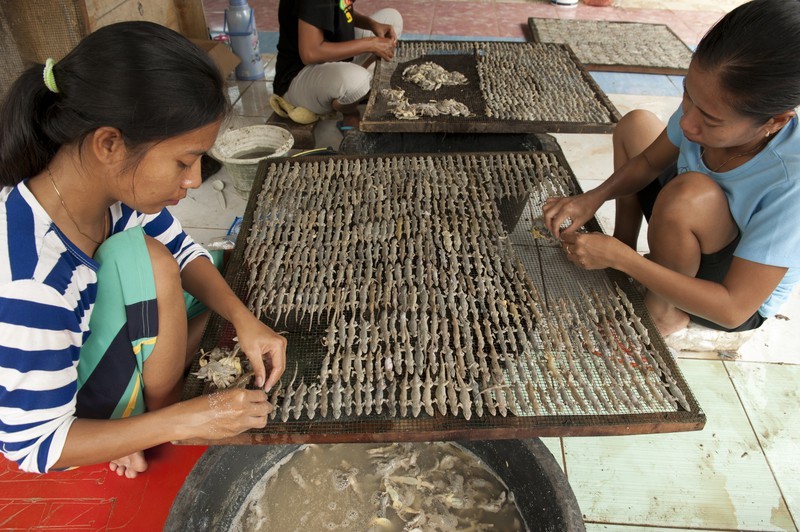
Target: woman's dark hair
755,49
146,80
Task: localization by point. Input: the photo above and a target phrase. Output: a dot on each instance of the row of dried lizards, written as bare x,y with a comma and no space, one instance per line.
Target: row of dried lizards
426,308
518,81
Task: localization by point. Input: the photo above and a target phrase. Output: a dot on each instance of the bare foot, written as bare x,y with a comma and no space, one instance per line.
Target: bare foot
130,465
667,318
668,328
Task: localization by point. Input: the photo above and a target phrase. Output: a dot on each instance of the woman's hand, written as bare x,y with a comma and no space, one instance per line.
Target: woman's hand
223,414
265,349
579,209
383,47
594,251
383,30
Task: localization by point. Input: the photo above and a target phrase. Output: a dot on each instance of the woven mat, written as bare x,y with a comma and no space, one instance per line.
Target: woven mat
617,46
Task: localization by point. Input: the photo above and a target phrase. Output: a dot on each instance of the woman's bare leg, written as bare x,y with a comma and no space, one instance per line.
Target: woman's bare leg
690,217
635,132
197,326
163,369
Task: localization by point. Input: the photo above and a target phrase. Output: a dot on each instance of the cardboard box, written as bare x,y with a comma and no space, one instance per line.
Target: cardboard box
222,56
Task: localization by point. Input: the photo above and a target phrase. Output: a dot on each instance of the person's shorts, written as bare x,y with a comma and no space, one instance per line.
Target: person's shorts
713,266
124,329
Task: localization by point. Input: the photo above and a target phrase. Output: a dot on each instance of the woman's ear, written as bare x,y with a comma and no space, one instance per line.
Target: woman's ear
107,145
778,121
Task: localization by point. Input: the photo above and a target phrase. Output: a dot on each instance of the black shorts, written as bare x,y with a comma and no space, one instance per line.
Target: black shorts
713,267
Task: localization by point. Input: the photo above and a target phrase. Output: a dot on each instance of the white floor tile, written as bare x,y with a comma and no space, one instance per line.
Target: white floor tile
778,340
326,135
239,121
714,478
770,396
255,100
206,236
605,527
202,209
662,106
699,355
270,63
235,89
589,156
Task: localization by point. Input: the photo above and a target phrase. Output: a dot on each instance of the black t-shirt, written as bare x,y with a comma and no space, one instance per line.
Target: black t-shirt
333,17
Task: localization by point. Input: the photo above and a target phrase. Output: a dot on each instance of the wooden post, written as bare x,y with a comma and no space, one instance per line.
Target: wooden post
191,18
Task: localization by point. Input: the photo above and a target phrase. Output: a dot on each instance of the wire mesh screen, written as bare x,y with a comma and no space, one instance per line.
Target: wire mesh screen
486,87
617,46
423,299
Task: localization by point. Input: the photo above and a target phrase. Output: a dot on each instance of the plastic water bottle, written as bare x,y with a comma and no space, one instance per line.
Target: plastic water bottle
240,26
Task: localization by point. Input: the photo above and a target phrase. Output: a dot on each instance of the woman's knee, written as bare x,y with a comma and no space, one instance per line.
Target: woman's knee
636,124
351,83
165,267
389,16
691,198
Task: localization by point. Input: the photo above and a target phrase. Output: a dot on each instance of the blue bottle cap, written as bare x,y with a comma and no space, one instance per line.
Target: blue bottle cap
237,3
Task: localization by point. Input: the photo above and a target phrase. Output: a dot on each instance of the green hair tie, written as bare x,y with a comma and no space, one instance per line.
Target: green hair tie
49,78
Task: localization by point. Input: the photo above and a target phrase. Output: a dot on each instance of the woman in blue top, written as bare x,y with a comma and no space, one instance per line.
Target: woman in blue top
94,339
720,186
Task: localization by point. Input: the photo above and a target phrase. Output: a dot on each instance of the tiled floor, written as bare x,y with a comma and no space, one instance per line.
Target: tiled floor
689,19
743,470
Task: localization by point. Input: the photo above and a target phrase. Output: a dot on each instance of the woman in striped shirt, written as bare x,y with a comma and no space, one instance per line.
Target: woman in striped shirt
94,340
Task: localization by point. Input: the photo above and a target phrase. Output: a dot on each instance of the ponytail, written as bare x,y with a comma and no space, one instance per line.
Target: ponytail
143,79
25,149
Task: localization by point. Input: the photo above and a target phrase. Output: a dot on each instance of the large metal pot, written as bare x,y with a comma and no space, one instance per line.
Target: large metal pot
221,480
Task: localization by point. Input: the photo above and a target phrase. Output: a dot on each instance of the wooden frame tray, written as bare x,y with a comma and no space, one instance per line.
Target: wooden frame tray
613,46
513,87
534,176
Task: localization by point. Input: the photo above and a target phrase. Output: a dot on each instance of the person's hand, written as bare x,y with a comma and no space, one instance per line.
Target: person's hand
264,348
579,209
384,30
224,414
383,47
593,251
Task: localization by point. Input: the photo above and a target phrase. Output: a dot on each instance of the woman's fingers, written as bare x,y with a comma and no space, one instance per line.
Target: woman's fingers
553,214
275,355
260,409
259,370
265,349
230,412
278,365
576,210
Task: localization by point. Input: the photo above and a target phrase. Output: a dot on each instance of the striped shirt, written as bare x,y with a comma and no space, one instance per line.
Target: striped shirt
48,288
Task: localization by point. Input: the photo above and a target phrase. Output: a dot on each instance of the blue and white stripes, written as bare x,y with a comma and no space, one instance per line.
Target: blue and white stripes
47,292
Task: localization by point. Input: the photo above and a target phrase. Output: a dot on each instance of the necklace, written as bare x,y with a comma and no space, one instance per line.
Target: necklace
69,214
743,154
